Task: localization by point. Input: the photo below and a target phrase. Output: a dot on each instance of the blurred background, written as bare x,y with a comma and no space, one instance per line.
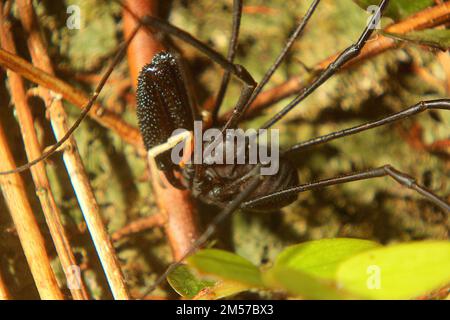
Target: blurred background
375,209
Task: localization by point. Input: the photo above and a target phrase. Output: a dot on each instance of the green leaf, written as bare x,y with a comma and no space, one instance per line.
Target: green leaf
222,289
188,284
301,284
185,283
432,37
321,258
227,266
401,271
399,9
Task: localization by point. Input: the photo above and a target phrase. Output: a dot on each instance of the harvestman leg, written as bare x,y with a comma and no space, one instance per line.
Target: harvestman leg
247,93
224,213
239,111
402,178
387,170
443,104
345,56
185,136
239,71
232,48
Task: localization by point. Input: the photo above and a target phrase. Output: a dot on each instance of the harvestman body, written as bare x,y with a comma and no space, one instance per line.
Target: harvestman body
163,107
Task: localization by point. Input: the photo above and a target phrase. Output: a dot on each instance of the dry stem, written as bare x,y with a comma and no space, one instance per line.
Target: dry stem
139,225
41,182
33,244
73,162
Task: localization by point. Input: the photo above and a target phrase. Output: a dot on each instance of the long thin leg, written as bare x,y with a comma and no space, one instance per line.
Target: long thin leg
164,26
443,104
229,209
387,170
232,48
239,71
238,113
346,55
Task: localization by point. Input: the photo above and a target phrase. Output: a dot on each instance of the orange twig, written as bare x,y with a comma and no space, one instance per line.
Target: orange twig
139,225
259,10
176,205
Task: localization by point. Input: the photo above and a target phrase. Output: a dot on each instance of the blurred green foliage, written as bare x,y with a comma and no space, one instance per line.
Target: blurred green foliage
339,268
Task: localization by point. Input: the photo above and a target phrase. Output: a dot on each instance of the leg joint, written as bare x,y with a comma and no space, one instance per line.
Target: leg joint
400,177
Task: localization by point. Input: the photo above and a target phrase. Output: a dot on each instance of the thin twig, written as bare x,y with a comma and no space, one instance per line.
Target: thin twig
102,115
175,205
138,226
33,244
73,162
427,18
440,146
43,190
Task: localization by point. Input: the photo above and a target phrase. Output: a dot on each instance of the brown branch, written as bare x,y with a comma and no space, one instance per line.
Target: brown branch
138,226
33,244
4,292
103,116
73,162
428,77
427,18
39,174
265,10
176,205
